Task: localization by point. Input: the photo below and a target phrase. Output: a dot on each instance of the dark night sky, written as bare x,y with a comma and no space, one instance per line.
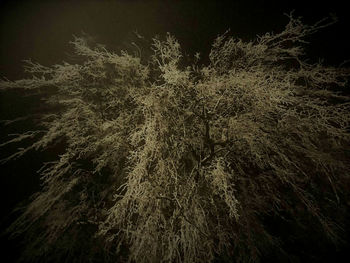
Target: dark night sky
41,30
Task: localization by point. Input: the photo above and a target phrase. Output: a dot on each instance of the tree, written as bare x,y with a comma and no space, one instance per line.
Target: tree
166,162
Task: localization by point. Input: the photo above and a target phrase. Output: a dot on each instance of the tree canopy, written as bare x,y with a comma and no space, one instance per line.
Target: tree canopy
172,162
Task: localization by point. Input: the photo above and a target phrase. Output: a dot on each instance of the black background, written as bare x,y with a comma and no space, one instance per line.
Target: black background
41,31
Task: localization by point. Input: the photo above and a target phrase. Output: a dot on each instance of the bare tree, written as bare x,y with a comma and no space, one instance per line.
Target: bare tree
165,163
